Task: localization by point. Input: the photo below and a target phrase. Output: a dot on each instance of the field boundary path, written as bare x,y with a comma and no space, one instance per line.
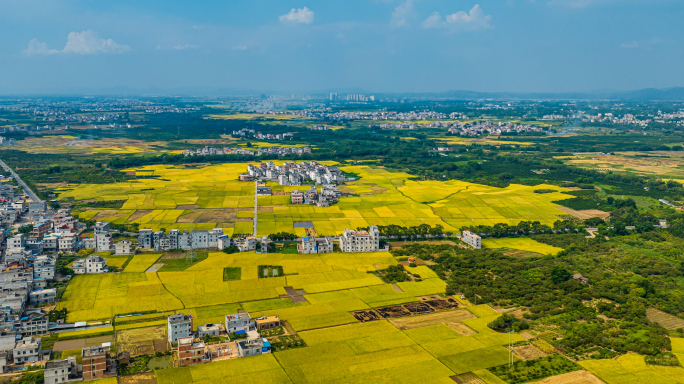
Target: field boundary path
28,190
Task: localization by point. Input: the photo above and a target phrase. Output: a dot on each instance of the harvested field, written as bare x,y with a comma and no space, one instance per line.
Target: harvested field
577,377
365,316
528,352
418,308
65,345
666,320
586,213
462,329
448,318
141,378
441,305
141,341
187,206
392,312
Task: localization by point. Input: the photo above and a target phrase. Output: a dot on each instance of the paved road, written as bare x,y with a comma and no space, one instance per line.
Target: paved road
27,190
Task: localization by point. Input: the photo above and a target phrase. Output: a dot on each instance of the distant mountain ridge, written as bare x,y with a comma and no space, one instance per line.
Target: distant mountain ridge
646,94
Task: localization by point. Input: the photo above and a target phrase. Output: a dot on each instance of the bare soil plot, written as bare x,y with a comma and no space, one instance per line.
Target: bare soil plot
365,316
449,318
65,345
141,341
441,305
577,377
418,308
528,352
141,378
462,329
139,214
585,214
391,312
664,319
468,378
187,206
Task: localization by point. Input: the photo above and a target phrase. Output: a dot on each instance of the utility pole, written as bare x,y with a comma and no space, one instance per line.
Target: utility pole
510,348
256,188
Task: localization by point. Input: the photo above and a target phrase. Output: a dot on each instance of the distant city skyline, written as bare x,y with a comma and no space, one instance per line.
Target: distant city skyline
373,46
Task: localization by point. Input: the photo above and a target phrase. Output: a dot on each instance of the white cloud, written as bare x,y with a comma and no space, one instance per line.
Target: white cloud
82,43
240,47
473,20
184,47
402,14
632,45
298,16
36,47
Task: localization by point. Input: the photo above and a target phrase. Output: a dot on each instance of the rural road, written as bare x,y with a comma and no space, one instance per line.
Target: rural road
28,190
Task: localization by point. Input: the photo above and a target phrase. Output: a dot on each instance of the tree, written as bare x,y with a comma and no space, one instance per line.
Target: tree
559,274
26,229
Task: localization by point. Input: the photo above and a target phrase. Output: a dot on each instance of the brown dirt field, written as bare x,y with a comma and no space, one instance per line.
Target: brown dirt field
108,213
99,340
449,318
139,214
462,329
585,214
172,255
528,352
187,206
141,378
577,377
69,344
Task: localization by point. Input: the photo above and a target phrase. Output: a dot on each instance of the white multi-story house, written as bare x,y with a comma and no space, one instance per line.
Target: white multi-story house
360,241
91,264
123,247
238,322
17,241
67,242
472,239
104,241
27,350
179,325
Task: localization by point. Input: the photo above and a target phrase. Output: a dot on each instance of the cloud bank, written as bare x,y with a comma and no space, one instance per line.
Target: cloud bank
298,16
473,20
81,43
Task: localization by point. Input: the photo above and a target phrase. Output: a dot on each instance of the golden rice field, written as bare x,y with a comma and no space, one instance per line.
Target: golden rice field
523,244
374,352
336,283
252,116
210,197
75,145
632,368
664,164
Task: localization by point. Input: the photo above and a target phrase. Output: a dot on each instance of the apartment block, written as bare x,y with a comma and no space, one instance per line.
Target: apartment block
179,325
97,363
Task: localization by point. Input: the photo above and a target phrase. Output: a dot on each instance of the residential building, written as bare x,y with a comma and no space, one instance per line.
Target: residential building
360,241
17,241
97,363
471,239
268,322
62,371
241,321
224,242
145,239
246,244
211,330
104,241
27,350
91,264
43,296
51,243
123,247
297,197
33,323
67,242
190,351
40,229
253,347
101,227
179,325
313,245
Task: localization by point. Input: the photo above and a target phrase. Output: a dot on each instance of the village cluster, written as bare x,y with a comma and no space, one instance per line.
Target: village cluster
278,151
488,127
294,174
383,115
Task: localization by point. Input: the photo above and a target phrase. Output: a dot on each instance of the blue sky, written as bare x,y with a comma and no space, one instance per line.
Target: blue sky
315,45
